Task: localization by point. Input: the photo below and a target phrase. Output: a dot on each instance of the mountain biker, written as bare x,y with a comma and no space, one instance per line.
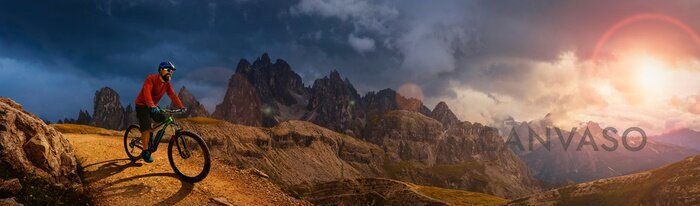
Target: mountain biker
147,103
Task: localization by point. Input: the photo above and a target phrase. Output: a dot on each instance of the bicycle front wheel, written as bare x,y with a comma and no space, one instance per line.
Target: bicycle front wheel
189,156
132,142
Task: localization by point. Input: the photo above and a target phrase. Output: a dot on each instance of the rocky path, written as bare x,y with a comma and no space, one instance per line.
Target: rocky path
115,180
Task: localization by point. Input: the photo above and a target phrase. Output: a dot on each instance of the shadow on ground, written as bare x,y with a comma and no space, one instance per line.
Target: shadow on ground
131,187
108,168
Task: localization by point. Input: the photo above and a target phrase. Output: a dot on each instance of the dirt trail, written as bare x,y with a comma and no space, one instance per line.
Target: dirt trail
115,180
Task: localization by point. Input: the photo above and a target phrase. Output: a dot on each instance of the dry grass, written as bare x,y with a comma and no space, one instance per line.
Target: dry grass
459,197
84,129
201,120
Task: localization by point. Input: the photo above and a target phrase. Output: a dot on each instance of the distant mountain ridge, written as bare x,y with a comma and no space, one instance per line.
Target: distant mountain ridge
558,165
682,137
278,93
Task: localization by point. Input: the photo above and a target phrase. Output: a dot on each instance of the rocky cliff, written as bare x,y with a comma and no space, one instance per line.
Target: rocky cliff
335,104
263,94
466,156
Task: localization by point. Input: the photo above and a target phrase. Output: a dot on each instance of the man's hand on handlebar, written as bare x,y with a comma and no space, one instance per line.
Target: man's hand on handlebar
181,110
156,110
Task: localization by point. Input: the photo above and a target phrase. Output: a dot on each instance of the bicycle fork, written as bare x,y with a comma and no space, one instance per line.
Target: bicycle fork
182,150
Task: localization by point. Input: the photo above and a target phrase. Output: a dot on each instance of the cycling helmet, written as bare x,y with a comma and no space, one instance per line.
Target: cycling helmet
164,65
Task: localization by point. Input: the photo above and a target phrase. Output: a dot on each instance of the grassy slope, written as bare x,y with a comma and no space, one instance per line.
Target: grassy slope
84,129
459,197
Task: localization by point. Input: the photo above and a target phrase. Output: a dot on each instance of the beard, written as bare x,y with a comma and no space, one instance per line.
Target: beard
166,77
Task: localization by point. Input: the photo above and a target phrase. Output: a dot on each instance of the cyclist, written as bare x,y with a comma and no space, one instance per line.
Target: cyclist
147,103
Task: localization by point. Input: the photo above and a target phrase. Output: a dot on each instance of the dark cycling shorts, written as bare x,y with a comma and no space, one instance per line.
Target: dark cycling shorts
144,115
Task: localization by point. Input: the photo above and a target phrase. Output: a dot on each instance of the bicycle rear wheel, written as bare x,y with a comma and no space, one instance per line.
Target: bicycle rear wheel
132,142
189,156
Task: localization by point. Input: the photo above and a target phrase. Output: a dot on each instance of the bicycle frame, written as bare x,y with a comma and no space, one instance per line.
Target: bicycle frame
161,132
154,141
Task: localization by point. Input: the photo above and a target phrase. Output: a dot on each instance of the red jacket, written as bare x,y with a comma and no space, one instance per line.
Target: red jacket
153,89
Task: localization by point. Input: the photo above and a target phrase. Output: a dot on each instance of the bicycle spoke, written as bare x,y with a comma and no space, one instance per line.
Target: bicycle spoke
189,157
132,142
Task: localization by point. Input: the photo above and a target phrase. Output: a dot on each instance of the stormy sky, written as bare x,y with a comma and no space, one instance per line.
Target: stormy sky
486,59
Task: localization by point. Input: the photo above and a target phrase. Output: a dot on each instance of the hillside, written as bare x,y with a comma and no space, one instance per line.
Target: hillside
299,155
674,184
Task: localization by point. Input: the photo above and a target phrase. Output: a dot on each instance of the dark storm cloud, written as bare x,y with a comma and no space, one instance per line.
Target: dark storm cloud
376,44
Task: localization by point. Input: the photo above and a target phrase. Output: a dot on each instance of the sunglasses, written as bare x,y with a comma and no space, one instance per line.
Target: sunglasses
168,69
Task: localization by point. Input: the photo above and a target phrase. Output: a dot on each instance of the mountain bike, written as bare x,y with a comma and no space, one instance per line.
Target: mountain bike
187,152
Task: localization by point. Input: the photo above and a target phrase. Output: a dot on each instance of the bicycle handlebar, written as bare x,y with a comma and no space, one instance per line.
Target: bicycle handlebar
174,110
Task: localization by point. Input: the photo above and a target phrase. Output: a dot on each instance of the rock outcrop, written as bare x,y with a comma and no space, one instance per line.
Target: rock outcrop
31,148
466,156
108,111
194,108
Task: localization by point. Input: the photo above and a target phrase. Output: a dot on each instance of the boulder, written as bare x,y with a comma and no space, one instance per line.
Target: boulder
32,148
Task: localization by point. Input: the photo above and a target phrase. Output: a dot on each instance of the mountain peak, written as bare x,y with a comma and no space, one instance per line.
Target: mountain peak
265,57
335,75
441,106
444,114
262,60
194,108
243,66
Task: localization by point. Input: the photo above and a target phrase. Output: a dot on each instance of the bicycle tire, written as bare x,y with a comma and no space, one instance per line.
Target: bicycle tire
127,140
205,150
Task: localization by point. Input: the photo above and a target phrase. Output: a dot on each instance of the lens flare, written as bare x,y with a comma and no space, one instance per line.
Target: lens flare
643,17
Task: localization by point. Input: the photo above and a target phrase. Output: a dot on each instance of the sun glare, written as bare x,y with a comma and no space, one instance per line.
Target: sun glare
650,73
